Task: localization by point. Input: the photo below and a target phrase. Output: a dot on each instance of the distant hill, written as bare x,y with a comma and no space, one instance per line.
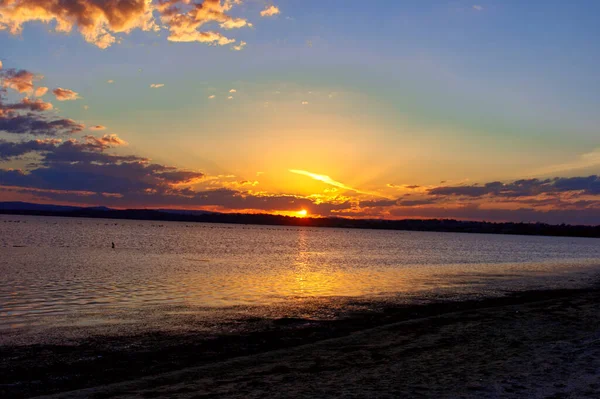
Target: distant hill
27,206
186,212
441,225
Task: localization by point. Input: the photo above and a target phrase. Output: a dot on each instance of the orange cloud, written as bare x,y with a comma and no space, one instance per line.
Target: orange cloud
270,11
328,180
28,105
240,46
97,127
19,80
104,142
97,21
41,91
184,22
65,94
100,21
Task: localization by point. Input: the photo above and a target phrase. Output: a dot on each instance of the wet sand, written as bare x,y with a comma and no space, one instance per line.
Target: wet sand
531,344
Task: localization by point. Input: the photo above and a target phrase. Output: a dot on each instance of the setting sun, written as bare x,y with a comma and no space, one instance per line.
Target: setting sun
302,213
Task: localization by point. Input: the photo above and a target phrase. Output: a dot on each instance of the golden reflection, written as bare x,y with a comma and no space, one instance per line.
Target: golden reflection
310,279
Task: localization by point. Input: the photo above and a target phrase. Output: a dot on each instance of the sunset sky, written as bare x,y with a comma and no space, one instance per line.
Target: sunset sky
486,110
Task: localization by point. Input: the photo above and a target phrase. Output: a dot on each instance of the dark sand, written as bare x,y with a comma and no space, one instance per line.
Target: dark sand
542,344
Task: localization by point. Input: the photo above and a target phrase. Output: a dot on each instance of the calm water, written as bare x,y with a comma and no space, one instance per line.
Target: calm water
60,275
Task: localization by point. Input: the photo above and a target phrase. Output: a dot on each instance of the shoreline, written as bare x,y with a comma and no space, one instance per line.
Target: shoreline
424,225
49,369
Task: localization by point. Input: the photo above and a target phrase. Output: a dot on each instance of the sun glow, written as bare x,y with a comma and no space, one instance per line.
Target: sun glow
302,213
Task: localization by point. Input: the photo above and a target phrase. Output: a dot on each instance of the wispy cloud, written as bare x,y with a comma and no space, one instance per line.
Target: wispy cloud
156,85
239,46
328,180
477,7
584,161
211,96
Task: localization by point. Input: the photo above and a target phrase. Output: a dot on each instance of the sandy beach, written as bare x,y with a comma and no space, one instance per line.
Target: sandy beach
533,344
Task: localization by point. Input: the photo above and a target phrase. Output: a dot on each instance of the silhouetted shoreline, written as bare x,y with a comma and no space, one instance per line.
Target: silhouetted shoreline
436,225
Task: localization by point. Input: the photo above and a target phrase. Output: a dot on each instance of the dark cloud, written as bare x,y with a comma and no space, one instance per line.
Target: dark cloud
525,187
29,117
37,125
417,202
73,151
10,150
376,203
28,105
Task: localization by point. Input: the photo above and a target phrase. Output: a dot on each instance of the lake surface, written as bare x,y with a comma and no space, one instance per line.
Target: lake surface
61,279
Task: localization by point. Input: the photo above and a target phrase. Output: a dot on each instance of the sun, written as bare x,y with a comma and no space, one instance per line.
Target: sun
302,213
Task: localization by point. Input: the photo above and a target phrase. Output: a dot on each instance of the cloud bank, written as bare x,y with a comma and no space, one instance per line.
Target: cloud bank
102,22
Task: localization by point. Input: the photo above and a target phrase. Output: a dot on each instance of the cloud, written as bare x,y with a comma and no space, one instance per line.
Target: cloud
417,202
327,180
524,187
270,11
211,96
28,105
0,65
99,22
10,150
477,7
156,85
31,117
240,46
104,142
37,125
65,94
233,91
19,80
584,161
110,81
304,102
184,20
235,23
97,127
230,98
40,91
376,203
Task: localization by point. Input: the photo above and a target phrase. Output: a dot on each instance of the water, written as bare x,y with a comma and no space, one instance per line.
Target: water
60,276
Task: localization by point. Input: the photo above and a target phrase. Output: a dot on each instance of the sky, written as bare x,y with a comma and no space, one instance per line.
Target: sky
475,110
